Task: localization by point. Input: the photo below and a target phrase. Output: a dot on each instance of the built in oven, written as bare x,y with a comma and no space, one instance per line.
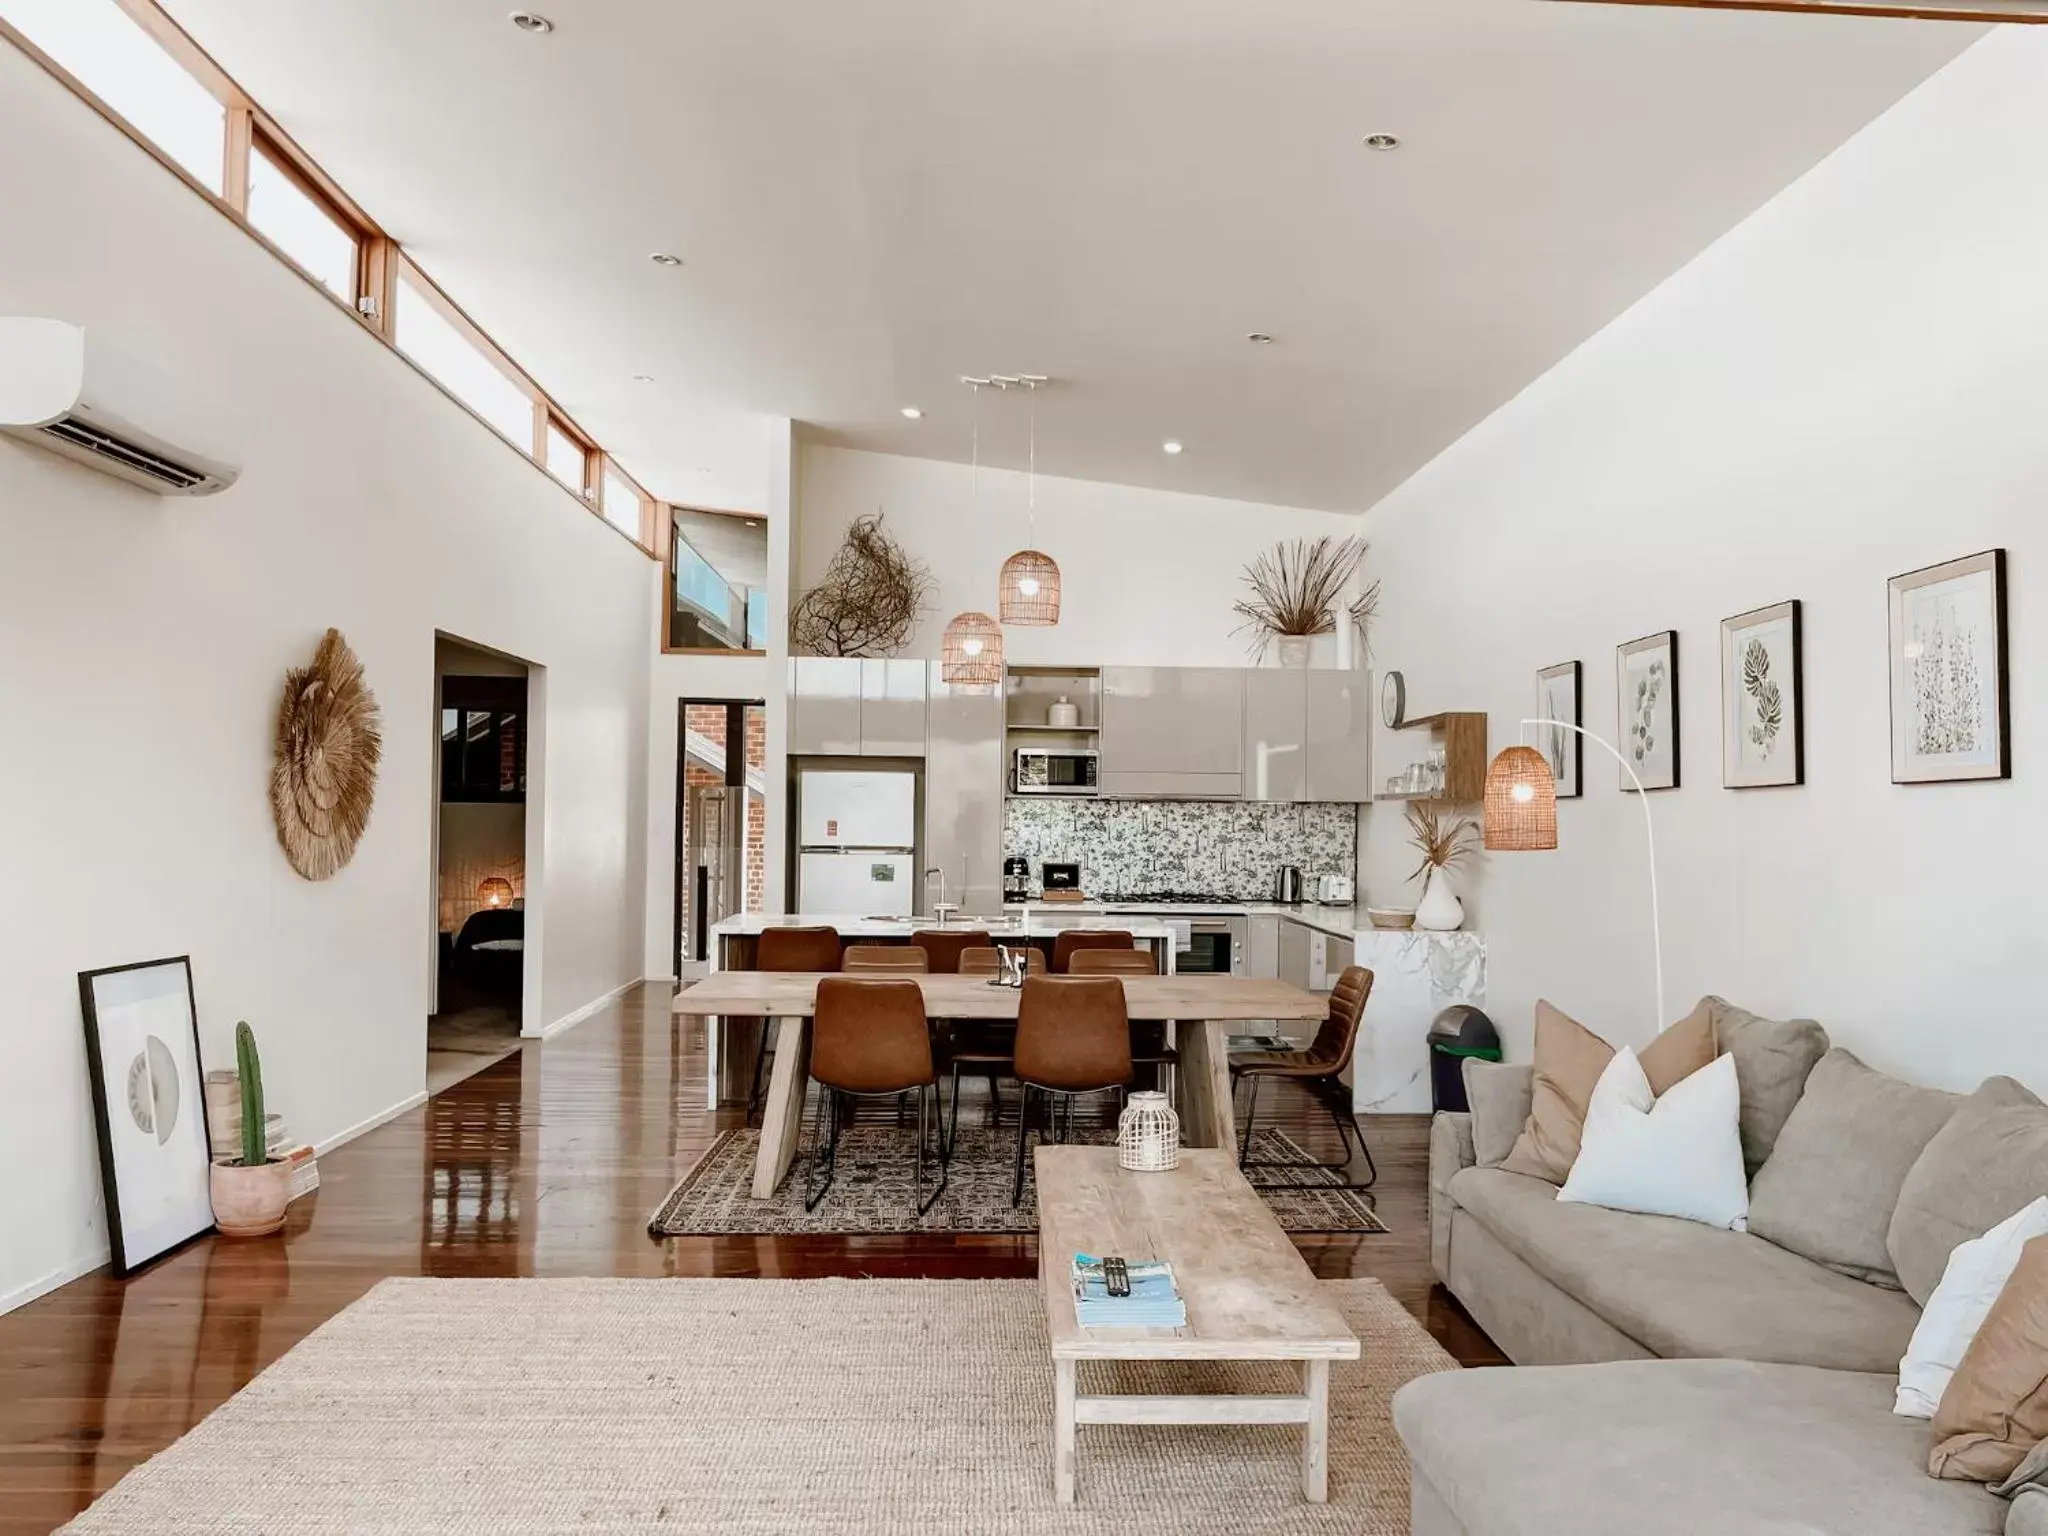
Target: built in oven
1051,771
1214,945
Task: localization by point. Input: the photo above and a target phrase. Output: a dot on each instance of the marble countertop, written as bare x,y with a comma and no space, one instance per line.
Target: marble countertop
854,925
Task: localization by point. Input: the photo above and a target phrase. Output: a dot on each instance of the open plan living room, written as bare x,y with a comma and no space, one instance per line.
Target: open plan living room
973,768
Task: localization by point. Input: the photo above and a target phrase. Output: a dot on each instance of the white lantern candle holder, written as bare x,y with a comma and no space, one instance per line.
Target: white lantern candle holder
1148,1134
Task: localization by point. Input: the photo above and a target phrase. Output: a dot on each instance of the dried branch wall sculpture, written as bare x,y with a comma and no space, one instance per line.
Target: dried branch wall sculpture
869,600
324,776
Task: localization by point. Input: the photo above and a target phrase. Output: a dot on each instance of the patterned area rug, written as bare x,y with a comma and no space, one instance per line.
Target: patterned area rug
873,1192
748,1408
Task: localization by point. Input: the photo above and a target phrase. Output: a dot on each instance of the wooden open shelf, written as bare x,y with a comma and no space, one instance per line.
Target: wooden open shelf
1462,735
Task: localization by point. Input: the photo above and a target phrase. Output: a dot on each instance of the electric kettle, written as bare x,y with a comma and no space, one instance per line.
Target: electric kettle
1287,886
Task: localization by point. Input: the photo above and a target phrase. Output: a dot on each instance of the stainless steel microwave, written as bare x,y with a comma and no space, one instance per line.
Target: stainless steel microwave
1053,771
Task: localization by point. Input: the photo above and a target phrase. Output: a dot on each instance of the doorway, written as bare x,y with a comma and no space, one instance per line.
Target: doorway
482,742
721,821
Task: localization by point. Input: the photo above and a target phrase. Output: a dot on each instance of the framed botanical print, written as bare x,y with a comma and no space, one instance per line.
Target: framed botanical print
1951,716
1558,698
1763,705
1646,698
149,1099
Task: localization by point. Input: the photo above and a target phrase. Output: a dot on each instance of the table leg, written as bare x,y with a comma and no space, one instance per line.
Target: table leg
1206,1116
1063,1430
1315,1436
782,1118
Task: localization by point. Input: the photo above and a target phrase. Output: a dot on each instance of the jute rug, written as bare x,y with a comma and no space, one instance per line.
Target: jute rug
523,1407
873,1190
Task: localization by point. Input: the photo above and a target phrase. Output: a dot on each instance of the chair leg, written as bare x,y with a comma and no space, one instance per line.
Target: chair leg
953,1117
1023,1136
1334,1095
1251,1109
824,1150
928,1115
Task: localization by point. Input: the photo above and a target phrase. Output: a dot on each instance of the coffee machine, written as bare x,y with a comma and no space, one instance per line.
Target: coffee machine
1016,879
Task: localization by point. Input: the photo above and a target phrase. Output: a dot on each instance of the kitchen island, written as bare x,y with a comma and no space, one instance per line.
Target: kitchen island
731,1052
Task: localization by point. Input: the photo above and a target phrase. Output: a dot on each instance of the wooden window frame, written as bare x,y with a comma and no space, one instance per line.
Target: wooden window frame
247,130
667,510
1910,12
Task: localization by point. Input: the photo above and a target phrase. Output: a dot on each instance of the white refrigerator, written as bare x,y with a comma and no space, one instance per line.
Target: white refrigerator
857,841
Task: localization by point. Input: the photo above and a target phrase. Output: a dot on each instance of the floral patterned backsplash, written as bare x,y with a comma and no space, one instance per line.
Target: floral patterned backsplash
1212,847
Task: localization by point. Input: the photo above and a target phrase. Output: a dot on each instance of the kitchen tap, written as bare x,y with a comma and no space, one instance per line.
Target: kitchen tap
942,909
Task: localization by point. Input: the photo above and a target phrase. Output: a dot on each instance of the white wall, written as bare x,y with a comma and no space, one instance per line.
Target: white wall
1147,577
1848,386
143,642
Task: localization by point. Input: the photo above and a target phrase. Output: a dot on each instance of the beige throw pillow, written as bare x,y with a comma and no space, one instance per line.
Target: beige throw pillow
1569,1061
1996,1407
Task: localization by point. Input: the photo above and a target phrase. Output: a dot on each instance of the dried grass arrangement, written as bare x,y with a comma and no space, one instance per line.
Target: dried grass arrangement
869,601
1443,840
324,777
1296,586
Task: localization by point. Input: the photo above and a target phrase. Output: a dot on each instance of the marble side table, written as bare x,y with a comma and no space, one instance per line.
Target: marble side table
1416,976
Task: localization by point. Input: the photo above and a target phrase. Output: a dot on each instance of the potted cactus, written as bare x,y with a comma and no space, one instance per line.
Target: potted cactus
250,1192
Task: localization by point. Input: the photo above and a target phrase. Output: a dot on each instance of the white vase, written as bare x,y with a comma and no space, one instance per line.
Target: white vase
1440,911
1294,650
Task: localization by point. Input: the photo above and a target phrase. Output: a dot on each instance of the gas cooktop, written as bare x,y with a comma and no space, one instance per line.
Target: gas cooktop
1177,898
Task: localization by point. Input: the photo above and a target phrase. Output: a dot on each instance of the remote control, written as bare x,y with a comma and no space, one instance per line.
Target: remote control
1116,1277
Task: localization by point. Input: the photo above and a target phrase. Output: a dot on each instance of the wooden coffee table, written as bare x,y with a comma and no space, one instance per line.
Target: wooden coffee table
1249,1297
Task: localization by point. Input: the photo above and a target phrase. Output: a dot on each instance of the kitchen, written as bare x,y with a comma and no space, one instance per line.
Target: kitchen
1222,802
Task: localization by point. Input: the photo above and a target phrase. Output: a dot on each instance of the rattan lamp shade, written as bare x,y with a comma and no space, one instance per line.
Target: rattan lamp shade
973,651
1030,589
1521,802
494,892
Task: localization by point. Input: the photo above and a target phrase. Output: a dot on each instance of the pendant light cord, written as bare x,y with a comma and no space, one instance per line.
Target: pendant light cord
1031,477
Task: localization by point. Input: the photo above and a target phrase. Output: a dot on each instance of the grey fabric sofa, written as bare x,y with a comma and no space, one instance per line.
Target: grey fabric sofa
1672,1377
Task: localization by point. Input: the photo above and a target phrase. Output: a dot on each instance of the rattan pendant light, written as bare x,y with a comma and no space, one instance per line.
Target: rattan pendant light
971,654
1029,589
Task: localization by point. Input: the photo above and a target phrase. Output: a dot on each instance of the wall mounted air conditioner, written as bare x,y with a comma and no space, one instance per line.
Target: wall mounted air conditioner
67,390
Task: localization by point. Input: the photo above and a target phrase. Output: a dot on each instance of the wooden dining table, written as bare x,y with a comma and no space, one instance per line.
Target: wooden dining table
1204,1007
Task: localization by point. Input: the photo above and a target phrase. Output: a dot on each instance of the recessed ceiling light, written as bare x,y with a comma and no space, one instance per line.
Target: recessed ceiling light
1382,141
1171,445
912,413
664,259
1259,339
532,21
643,378
753,522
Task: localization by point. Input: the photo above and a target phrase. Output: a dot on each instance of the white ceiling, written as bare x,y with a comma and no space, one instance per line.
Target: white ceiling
874,198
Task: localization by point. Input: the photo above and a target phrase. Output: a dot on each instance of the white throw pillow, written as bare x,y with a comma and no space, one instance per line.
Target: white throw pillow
1976,1273
1680,1155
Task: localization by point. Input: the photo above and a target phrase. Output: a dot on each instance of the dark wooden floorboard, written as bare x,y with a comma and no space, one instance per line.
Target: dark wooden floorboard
546,1163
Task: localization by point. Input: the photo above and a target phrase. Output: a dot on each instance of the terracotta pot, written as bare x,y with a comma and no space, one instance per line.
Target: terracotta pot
250,1202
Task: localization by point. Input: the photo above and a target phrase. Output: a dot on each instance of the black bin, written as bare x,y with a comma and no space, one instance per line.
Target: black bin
1457,1033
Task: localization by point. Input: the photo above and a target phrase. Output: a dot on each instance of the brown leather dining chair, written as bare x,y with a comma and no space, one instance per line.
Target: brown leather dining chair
1069,942
1073,1038
1148,1039
884,960
1319,1068
787,949
870,1041
983,1046
943,946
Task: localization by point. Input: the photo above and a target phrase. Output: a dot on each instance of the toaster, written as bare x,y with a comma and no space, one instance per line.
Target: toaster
1335,890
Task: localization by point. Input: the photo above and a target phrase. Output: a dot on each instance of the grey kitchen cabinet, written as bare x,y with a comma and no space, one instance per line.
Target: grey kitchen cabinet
1262,946
1276,704
824,706
1172,732
1296,943
1340,715
841,706
892,708
963,795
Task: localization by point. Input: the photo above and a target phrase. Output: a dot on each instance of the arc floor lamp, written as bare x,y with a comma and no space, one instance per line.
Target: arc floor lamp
1520,816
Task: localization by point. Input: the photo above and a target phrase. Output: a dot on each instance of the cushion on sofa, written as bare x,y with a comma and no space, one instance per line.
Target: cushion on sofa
1772,1060
1996,1408
1679,1448
1987,1162
1833,1179
1569,1061
1682,1289
1498,1096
